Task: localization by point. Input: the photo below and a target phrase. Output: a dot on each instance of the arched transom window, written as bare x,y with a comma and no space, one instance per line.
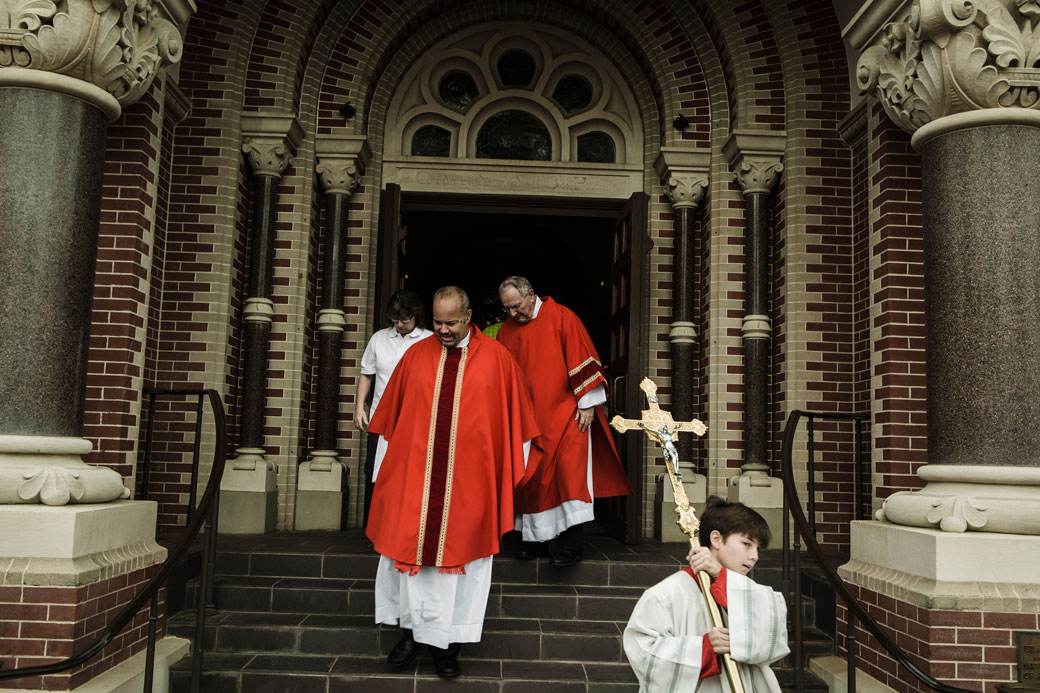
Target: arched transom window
515,91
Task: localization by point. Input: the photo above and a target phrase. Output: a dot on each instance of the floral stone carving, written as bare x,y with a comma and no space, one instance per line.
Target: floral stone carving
49,470
117,45
952,56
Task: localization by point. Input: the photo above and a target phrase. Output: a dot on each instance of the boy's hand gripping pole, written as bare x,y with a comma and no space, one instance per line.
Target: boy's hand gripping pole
661,428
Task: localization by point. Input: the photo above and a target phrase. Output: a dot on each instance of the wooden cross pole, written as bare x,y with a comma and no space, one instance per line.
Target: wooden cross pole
661,428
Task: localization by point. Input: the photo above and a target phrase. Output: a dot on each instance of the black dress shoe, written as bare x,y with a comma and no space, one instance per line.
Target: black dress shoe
565,557
446,662
404,652
531,550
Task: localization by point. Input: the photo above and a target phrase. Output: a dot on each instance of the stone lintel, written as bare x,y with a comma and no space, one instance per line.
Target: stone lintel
945,571
681,160
872,17
346,148
272,128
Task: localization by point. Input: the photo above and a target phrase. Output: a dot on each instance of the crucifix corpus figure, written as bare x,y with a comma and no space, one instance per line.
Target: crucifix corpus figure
660,427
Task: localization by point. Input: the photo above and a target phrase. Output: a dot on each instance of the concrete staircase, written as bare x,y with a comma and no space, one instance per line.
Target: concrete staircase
296,616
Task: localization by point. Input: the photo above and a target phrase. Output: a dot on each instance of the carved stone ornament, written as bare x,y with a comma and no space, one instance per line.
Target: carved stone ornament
758,175
117,45
338,175
959,498
953,56
267,156
49,470
685,190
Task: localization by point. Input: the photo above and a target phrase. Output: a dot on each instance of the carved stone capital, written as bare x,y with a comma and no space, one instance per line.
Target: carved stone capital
268,141
755,158
118,46
341,161
937,58
684,173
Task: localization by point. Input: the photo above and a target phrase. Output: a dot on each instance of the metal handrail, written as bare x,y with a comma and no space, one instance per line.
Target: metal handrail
150,591
854,607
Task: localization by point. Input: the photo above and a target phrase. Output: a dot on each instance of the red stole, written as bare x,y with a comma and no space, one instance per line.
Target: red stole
556,354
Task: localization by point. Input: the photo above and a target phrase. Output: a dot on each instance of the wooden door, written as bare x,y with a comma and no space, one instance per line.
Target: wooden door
629,311
389,252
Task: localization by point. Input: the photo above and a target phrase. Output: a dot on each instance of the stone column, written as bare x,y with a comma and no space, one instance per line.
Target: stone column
52,154
755,157
321,490
956,76
66,533
684,173
248,490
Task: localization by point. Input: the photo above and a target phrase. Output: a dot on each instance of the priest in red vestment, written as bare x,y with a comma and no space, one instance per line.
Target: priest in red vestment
568,385
455,426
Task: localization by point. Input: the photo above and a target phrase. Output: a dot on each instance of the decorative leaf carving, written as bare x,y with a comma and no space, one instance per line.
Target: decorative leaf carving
51,485
958,514
26,14
1005,39
979,84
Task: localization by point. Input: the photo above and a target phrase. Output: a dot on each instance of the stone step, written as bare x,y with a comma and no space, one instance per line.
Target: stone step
356,597
249,673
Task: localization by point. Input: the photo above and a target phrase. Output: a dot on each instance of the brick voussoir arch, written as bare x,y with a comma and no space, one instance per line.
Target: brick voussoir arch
750,51
280,43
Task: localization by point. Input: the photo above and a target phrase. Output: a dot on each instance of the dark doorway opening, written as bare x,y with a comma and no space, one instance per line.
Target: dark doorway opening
568,258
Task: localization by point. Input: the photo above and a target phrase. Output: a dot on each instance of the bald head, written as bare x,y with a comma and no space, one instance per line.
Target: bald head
451,315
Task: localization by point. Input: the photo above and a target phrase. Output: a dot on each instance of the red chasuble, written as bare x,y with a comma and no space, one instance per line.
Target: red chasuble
455,421
556,353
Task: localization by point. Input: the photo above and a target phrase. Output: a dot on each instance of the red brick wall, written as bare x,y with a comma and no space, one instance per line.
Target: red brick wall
974,650
41,625
121,285
897,291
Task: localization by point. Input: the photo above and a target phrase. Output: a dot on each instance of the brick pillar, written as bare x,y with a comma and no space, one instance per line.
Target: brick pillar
321,484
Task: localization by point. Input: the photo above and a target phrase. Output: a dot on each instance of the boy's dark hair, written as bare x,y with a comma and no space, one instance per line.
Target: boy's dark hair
733,518
406,304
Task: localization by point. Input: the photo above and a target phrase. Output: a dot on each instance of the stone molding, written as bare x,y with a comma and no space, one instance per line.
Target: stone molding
118,46
958,498
756,327
49,470
937,58
176,102
332,320
755,157
854,126
341,161
258,309
268,140
682,332
684,173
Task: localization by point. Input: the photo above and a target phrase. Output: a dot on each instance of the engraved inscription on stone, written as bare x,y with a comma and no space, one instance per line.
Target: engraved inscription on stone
522,182
1028,657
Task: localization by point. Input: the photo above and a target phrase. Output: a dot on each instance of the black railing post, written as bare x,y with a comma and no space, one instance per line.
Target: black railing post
195,458
148,446
850,647
149,657
811,428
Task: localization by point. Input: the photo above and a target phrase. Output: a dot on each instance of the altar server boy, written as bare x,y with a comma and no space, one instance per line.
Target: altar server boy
669,639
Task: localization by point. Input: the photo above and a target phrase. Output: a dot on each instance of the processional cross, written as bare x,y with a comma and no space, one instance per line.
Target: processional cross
660,427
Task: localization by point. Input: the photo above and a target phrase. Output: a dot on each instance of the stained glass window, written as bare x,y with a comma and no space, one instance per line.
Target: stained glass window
573,93
516,69
514,135
430,140
596,147
458,89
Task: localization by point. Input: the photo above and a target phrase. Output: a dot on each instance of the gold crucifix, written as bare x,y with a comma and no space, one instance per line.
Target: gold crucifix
660,427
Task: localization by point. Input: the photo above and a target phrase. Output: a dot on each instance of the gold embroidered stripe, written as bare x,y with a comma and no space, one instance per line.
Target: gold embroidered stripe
597,376
429,458
451,455
574,371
